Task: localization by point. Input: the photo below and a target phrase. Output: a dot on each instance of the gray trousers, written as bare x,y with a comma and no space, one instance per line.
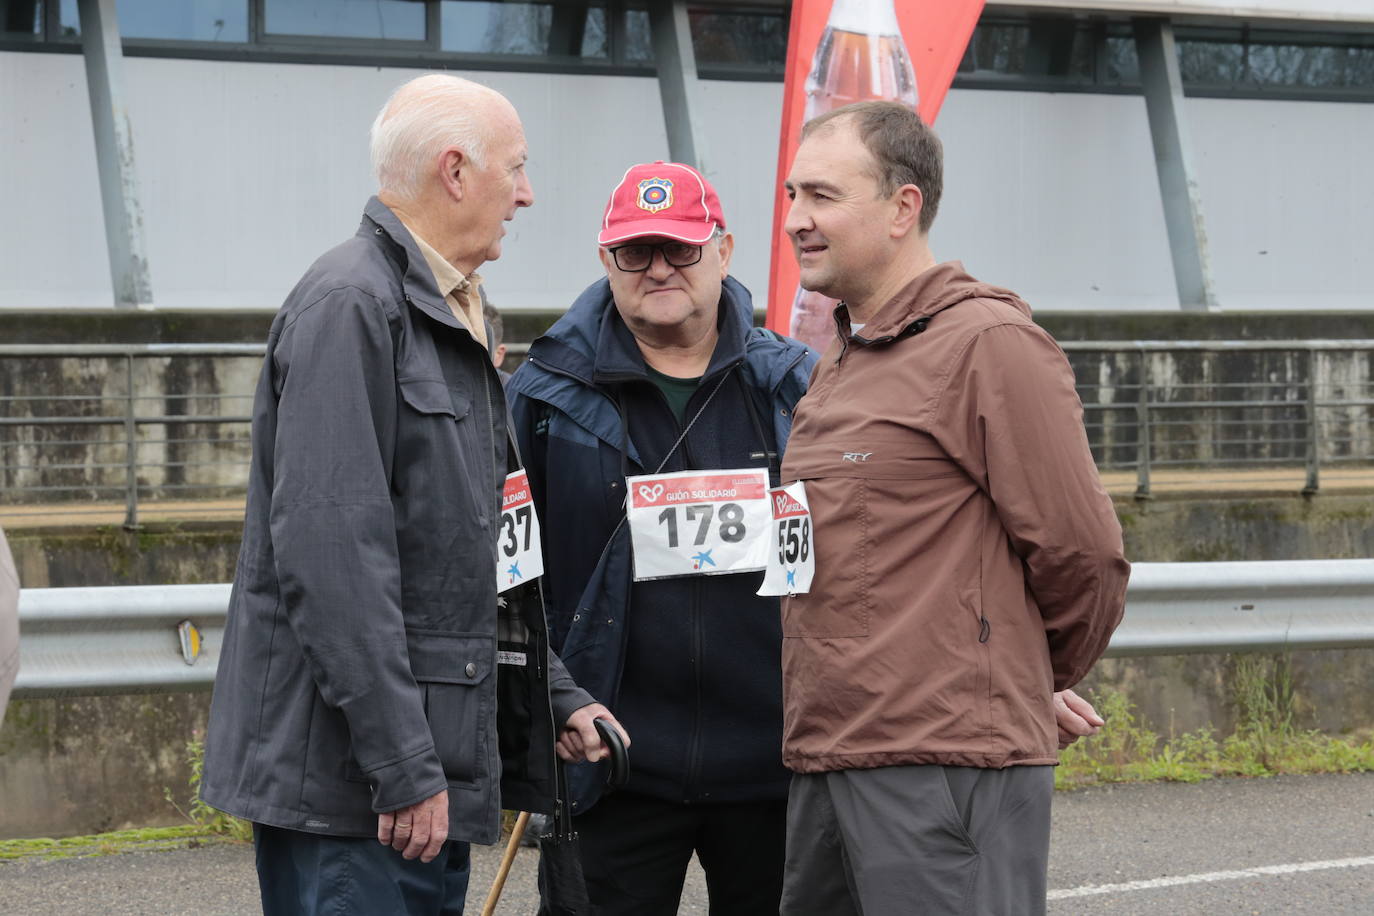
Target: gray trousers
902,841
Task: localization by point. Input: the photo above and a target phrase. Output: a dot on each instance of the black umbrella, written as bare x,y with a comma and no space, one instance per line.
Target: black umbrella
562,888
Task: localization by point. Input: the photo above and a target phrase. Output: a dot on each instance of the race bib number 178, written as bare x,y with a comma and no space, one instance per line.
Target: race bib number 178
699,523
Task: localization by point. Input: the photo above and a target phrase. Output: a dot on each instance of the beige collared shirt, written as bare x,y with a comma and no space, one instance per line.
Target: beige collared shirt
459,292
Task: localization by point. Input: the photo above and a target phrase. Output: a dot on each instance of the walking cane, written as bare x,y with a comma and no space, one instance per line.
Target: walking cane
512,847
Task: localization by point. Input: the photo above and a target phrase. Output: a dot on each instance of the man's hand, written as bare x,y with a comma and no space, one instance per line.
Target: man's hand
1075,717
419,830
579,741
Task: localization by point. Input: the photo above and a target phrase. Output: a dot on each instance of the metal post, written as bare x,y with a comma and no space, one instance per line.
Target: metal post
114,153
1142,419
1163,88
130,449
1313,436
677,80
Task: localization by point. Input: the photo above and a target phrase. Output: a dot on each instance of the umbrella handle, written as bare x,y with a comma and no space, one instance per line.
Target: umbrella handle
512,847
620,755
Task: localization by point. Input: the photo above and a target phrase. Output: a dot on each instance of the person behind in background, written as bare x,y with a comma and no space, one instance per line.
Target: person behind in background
657,367
354,714
968,560
496,328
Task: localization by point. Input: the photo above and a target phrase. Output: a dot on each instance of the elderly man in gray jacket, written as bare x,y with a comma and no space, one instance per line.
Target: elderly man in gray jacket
354,719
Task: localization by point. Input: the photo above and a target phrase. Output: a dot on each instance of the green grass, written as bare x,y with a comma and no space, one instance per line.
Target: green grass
211,820
1265,742
143,839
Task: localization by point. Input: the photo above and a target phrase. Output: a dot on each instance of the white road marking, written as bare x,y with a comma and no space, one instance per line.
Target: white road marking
1259,871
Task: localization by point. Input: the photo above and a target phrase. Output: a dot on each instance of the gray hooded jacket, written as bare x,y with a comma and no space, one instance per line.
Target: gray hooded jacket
359,668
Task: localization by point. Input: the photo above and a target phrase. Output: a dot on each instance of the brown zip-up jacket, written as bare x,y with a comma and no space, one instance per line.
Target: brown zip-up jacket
968,559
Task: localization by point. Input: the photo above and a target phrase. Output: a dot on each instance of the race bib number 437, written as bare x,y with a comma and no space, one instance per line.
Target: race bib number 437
699,523
519,555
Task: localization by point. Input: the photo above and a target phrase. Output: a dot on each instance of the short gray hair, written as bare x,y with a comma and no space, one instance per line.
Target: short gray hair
421,119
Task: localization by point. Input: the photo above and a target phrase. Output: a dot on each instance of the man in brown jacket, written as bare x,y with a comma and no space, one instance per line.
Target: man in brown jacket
968,562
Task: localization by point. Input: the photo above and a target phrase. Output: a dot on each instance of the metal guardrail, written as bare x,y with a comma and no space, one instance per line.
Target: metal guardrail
123,639
133,440
85,641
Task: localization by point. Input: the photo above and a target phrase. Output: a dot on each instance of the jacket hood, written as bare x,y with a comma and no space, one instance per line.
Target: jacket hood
929,293
591,341
588,344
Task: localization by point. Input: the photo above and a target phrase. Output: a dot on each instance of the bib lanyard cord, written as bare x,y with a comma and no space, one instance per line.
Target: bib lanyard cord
625,445
752,409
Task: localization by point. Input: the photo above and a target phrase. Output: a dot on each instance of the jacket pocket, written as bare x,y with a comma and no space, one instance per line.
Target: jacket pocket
434,397
840,602
451,670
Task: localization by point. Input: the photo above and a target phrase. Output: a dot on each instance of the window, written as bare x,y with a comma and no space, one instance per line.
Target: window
173,20
1260,59
22,19
204,20
381,19
1212,60
746,39
562,29
741,39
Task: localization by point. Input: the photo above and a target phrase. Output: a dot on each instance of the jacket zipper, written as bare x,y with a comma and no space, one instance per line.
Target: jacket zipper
694,747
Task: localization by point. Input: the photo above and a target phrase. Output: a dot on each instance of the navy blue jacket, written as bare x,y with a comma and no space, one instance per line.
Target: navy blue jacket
690,666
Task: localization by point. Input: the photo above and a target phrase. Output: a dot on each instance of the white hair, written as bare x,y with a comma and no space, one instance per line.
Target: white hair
421,119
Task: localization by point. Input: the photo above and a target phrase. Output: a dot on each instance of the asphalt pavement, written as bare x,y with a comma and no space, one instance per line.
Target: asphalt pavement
1291,844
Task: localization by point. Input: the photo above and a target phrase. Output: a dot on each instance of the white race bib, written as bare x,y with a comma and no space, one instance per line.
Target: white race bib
791,555
699,523
519,554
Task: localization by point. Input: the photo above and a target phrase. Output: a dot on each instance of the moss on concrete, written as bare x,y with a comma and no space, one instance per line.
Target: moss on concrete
143,839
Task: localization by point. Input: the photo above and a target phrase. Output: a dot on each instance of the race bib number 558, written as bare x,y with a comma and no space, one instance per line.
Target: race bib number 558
791,561
699,523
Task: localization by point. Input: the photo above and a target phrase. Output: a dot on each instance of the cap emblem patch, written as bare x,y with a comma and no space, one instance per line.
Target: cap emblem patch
655,194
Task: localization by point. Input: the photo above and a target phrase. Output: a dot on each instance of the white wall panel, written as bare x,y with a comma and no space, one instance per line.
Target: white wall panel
250,170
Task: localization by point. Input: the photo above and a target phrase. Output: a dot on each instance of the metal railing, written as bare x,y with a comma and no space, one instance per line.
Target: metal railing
86,641
94,446
1307,404
166,422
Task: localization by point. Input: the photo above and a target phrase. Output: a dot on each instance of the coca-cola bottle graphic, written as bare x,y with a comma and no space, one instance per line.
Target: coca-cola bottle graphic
860,57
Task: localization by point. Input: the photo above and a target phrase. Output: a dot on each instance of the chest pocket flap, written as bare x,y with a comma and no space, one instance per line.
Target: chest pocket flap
433,396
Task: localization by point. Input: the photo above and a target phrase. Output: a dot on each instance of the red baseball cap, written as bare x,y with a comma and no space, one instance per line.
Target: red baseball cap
662,198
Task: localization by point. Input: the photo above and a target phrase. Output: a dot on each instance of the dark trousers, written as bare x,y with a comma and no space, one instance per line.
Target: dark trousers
918,841
635,853
305,874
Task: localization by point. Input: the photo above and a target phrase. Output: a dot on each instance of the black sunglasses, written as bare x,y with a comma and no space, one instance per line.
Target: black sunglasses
637,257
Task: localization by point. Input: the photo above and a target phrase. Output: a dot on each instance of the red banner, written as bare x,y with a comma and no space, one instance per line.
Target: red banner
842,51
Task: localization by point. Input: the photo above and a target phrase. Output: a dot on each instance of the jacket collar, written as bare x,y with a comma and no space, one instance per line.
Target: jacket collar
592,343
618,357
929,293
417,281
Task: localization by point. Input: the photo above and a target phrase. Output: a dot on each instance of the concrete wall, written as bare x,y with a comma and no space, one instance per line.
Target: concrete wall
78,765
250,170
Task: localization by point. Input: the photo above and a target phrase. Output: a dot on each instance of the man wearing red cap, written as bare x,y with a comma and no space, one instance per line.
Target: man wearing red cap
657,368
